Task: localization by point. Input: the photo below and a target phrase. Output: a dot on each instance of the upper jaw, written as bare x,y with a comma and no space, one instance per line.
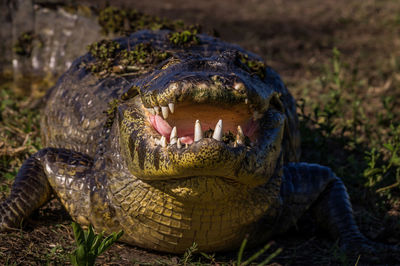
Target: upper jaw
165,89
163,102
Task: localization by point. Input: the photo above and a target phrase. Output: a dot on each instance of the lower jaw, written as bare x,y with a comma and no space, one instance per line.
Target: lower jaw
205,158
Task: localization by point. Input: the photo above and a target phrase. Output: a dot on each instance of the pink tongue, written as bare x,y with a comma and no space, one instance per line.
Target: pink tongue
187,139
163,128
160,125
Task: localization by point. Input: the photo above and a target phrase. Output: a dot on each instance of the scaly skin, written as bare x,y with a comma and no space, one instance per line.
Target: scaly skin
107,168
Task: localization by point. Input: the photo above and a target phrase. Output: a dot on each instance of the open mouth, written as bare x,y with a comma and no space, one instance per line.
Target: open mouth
189,124
186,123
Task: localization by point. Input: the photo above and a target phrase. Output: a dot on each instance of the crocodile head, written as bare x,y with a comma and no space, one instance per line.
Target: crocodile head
207,117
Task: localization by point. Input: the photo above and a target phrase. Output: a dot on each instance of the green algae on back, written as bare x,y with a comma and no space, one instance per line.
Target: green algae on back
105,53
142,54
111,59
184,38
254,66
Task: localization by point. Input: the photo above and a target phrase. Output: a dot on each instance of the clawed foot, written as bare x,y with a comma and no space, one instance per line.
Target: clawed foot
360,245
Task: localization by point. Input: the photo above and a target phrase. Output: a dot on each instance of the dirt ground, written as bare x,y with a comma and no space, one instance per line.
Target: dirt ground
297,39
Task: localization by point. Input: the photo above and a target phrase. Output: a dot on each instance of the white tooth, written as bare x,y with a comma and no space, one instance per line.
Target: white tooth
178,144
173,137
151,111
171,107
198,133
163,141
239,136
164,110
218,131
238,86
157,109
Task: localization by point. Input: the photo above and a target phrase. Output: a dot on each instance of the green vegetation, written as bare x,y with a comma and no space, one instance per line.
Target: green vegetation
384,164
110,59
104,52
253,66
105,49
19,134
340,119
90,245
189,256
126,21
24,44
256,255
142,54
184,38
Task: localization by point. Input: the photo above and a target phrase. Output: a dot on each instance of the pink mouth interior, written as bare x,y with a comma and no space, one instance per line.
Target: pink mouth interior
184,119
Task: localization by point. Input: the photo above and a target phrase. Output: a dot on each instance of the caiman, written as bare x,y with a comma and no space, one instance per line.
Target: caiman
174,143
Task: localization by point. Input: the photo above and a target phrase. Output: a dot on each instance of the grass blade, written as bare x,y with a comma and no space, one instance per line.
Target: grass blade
257,254
78,233
270,257
240,253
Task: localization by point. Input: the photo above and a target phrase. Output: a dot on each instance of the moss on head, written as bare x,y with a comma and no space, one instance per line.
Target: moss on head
184,38
104,49
143,54
253,66
104,53
110,59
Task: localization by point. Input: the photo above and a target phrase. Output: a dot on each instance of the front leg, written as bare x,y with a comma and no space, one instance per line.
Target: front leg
313,186
30,190
49,170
